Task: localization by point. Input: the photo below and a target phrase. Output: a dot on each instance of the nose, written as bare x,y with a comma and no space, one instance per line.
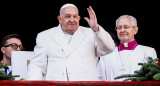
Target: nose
18,49
71,19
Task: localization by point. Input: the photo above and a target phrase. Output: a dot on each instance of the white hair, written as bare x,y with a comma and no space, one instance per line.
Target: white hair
67,5
133,19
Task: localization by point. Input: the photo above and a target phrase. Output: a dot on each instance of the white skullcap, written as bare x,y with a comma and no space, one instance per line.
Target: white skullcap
68,5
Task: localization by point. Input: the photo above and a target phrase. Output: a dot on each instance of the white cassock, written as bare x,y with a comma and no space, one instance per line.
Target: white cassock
63,57
123,62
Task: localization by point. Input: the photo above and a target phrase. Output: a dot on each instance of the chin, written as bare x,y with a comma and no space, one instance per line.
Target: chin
124,40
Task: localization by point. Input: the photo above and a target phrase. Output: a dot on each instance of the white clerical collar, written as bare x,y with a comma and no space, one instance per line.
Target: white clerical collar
125,44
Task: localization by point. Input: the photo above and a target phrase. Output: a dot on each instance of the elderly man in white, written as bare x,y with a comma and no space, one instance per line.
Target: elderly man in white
68,52
125,58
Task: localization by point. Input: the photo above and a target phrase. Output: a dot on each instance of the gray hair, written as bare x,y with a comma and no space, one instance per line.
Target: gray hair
133,20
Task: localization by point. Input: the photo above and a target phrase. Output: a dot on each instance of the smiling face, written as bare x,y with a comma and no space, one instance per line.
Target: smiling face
125,30
69,19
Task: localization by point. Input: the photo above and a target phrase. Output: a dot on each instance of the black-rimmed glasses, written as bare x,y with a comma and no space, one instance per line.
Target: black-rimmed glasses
15,46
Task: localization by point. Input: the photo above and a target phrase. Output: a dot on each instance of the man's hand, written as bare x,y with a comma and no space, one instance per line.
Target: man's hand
93,19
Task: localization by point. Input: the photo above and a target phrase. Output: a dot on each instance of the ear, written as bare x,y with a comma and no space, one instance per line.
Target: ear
136,30
79,18
59,19
3,49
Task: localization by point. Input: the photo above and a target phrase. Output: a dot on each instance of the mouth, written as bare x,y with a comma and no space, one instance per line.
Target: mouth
71,24
123,35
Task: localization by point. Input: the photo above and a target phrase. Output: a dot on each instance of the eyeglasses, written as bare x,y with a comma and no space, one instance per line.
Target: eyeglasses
126,27
15,46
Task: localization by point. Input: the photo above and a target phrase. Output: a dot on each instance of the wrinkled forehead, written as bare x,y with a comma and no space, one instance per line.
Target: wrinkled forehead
67,5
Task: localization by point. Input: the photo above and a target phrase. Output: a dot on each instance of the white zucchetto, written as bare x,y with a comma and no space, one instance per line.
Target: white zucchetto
68,5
